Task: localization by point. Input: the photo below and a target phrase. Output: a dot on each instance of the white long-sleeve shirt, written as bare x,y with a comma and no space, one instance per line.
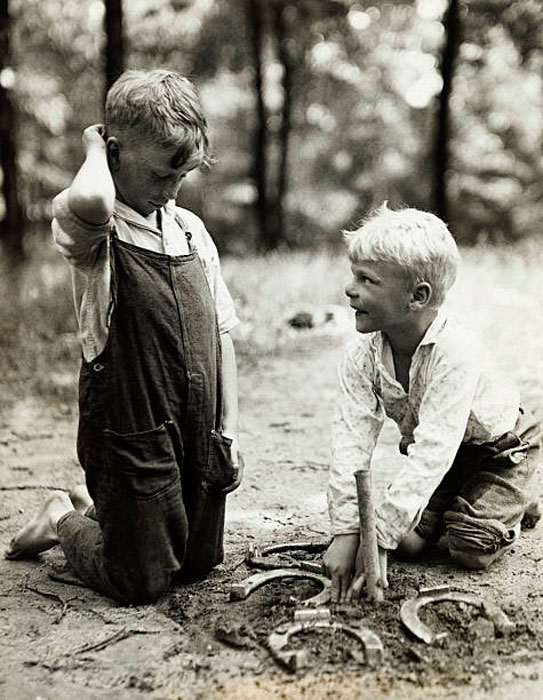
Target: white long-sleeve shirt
86,247
454,396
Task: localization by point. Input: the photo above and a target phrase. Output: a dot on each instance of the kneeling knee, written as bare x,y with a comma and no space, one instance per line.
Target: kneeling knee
411,546
141,592
472,559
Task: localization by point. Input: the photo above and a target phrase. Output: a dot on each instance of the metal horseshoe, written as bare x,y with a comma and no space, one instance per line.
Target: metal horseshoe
306,621
240,591
409,612
259,558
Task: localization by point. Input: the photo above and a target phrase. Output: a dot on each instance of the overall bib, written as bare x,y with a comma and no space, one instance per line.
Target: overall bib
148,439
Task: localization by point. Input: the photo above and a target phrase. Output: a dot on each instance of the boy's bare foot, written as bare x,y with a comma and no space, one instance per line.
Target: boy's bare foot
41,532
532,515
80,498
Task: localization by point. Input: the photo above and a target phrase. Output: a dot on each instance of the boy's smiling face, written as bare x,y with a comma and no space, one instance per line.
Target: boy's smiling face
380,297
146,174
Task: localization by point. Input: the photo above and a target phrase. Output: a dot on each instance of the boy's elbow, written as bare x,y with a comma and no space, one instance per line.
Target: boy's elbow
92,208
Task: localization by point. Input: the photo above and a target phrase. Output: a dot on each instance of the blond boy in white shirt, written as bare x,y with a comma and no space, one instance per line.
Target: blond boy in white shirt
470,448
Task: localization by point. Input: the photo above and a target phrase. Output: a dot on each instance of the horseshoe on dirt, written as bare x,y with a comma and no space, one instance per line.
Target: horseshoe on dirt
240,591
409,612
259,558
307,621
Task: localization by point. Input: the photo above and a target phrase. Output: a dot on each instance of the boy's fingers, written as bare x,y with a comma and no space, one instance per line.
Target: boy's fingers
239,468
356,588
338,588
383,565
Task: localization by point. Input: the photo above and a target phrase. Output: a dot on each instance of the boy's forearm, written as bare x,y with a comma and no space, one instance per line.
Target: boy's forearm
230,416
91,195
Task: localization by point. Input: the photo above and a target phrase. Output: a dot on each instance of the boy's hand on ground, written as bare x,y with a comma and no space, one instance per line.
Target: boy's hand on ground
94,136
339,563
360,577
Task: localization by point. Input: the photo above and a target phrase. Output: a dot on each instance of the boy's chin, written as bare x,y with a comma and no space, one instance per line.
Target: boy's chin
362,326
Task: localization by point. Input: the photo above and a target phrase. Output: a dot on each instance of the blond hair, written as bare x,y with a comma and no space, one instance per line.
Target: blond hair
417,242
163,106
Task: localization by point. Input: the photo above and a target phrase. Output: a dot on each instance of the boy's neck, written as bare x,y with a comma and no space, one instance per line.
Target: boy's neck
405,340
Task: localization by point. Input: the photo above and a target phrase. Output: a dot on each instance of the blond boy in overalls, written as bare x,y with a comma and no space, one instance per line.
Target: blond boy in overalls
158,422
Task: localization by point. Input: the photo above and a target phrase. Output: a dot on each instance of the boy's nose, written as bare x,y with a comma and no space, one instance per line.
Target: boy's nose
173,186
172,190
349,291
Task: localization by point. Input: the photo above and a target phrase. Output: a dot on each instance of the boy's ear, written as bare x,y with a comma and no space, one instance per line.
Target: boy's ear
113,153
421,295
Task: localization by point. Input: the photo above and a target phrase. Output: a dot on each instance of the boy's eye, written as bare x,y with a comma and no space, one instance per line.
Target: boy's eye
158,176
364,278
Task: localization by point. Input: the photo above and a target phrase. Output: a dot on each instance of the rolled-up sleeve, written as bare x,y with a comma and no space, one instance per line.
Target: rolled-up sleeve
357,423
442,419
76,239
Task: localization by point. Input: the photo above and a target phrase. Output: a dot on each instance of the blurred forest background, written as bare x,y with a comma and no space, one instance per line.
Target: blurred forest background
318,110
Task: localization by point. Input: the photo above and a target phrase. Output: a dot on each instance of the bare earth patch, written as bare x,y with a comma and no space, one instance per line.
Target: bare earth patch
60,640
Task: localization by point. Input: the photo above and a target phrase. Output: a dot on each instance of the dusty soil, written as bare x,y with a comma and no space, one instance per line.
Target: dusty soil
63,641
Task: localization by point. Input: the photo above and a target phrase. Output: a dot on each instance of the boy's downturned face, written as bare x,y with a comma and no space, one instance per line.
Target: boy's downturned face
146,174
379,295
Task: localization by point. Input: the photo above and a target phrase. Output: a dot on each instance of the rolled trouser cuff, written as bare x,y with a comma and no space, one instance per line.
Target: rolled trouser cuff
486,536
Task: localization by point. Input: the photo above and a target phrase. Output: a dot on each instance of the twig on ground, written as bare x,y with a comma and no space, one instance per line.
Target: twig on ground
121,634
31,487
63,601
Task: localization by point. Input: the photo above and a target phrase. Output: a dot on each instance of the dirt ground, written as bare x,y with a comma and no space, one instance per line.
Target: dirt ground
63,641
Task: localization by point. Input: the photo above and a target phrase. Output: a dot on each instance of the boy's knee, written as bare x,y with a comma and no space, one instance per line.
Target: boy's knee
411,546
143,591
473,559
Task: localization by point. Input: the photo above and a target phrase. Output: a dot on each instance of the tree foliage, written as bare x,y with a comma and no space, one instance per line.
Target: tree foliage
349,105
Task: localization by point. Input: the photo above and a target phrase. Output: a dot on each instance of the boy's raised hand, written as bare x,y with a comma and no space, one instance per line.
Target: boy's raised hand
94,136
339,563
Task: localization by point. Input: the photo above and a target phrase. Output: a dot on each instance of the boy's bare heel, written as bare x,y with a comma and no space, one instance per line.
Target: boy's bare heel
532,515
40,533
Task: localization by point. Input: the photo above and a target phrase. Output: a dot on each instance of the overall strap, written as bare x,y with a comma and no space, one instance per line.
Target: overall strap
219,403
184,228
112,272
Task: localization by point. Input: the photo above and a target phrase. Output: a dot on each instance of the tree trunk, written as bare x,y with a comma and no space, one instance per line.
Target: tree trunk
284,52
260,163
449,55
113,25
13,224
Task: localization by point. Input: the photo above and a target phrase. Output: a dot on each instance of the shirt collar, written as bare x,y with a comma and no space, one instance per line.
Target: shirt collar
430,337
435,328
131,216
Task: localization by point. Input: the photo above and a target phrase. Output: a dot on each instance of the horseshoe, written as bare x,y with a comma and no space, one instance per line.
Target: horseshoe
297,659
409,612
240,591
259,558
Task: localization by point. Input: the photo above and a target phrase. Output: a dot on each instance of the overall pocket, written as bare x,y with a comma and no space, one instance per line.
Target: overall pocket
143,464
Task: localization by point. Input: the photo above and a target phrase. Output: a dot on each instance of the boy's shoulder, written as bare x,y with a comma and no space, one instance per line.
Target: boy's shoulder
460,346
193,223
188,217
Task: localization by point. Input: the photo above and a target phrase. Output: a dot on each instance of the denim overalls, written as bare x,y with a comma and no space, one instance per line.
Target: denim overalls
148,439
